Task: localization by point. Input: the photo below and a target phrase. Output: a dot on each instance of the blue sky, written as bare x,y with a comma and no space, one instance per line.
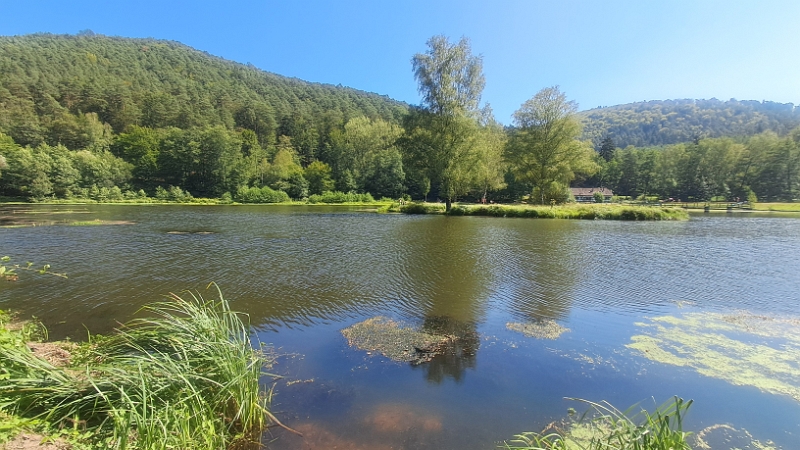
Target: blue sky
601,53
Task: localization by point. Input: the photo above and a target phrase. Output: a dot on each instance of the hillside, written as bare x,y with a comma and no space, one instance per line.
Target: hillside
49,82
656,123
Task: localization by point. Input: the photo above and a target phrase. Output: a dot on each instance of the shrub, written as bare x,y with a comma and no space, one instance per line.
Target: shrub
260,195
340,197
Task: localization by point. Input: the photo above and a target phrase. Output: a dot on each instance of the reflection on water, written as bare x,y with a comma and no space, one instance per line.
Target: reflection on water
458,353
304,274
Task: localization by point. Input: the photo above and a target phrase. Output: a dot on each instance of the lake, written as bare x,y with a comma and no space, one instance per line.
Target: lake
718,292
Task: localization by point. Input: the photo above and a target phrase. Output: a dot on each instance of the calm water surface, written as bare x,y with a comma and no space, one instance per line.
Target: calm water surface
303,274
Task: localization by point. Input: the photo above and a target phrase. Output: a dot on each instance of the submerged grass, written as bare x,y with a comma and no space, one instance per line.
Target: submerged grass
570,211
605,427
185,377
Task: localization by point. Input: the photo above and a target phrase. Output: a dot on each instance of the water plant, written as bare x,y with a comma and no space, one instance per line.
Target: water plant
185,376
741,348
604,427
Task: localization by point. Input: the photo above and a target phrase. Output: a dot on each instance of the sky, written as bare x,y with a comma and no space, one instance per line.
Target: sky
600,52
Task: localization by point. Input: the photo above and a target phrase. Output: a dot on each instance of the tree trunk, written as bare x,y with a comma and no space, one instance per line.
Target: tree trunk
447,205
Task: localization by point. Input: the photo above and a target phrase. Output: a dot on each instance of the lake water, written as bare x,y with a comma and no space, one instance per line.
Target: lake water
304,274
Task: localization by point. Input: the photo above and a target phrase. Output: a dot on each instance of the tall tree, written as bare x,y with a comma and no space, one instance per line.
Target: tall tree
544,149
607,148
490,169
442,136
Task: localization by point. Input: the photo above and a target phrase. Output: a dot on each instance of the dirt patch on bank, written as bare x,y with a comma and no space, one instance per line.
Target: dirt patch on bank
28,441
57,354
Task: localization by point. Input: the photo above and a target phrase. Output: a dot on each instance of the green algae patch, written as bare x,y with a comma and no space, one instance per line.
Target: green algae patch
396,340
743,349
726,436
543,329
98,222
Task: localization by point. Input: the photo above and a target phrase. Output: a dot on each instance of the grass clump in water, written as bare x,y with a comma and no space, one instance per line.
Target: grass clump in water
543,329
395,340
185,377
605,427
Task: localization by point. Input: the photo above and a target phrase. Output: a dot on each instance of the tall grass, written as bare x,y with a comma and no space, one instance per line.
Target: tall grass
184,377
604,427
586,212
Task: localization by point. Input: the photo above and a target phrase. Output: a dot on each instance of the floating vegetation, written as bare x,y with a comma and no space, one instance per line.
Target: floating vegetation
542,329
23,223
725,436
96,222
743,349
396,341
202,233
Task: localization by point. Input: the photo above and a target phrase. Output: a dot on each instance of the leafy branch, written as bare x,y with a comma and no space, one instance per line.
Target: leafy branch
9,271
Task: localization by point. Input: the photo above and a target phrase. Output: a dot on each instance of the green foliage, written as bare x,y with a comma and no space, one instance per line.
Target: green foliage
168,111
340,197
186,377
604,427
443,138
598,197
422,208
586,212
10,272
260,195
752,199
318,175
544,149
710,168
657,123
450,78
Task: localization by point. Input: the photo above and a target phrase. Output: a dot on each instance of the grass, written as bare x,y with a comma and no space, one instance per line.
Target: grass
569,211
779,207
605,427
184,377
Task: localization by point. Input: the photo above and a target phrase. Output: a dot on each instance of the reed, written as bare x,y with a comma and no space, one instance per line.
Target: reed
570,211
186,376
604,427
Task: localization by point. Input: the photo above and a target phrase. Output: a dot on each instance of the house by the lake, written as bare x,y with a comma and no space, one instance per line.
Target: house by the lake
586,195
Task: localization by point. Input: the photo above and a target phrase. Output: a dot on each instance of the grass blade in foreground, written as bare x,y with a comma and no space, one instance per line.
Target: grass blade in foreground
605,427
185,377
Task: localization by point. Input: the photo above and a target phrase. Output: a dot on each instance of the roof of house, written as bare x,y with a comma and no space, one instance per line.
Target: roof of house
591,191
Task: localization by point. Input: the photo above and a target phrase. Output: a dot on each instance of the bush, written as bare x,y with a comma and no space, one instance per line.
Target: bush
260,195
422,208
340,197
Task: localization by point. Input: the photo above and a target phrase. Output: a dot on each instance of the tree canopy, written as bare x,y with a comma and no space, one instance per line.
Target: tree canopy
544,149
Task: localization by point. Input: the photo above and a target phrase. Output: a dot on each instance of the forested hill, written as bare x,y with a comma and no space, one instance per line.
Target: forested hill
48,84
666,122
